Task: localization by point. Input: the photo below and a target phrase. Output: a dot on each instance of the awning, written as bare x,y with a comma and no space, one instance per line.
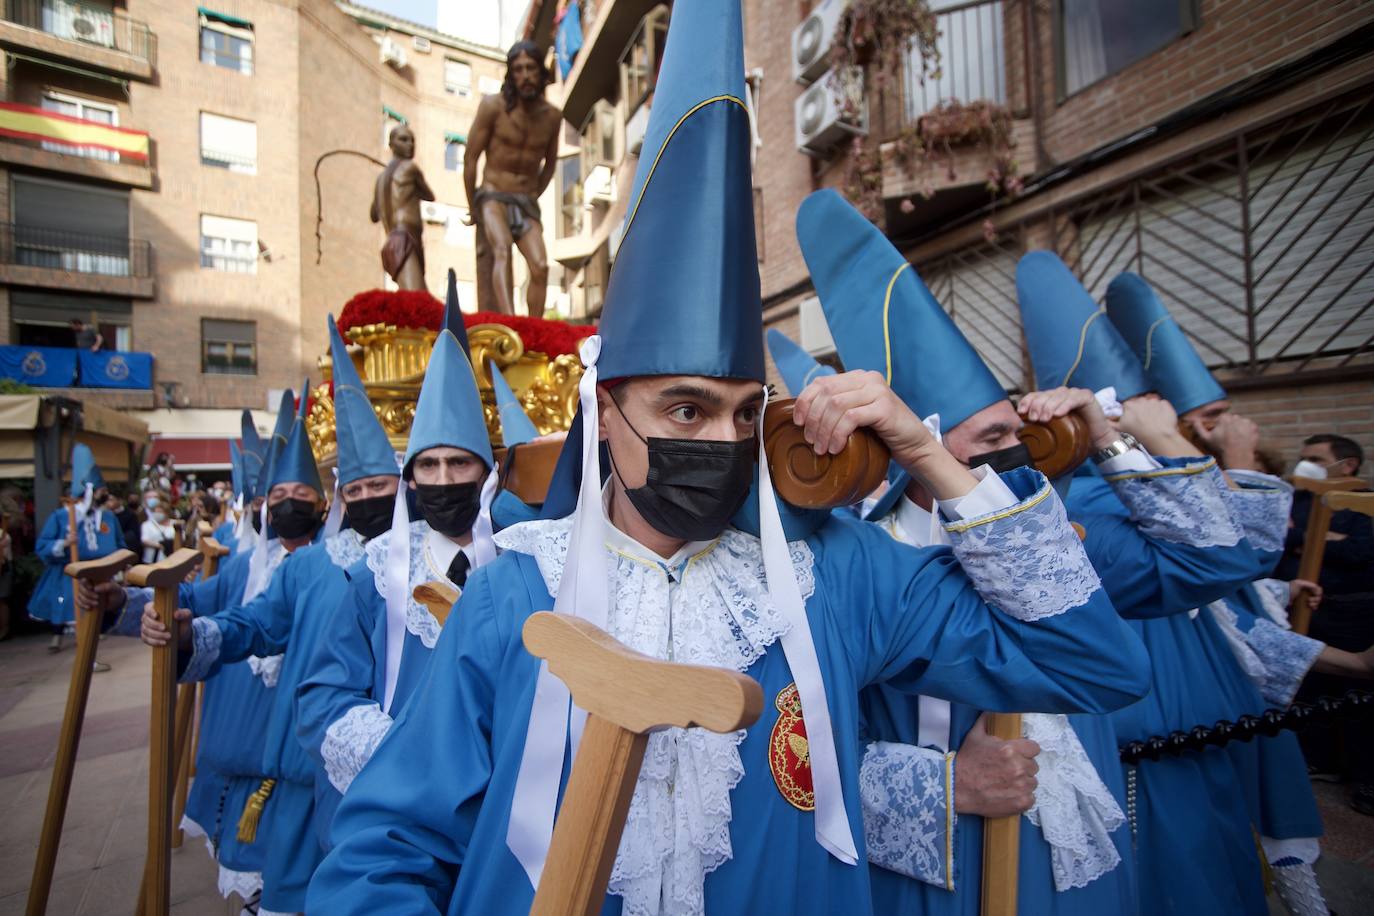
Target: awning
194,454
224,18
394,114
456,138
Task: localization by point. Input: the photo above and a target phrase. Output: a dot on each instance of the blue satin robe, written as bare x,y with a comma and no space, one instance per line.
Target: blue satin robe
1145,577
423,827
51,600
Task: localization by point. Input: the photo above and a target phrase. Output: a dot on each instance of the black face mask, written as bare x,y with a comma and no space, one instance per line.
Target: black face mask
694,486
1004,459
371,516
293,518
449,508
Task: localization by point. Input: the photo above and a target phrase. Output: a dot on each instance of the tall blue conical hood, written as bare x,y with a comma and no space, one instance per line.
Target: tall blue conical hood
795,365
84,471
1173,365
363,448
1070,339
235,466
883,317
295,463
453,314
683,297
250,441
286,416
449,411
516,426
252,455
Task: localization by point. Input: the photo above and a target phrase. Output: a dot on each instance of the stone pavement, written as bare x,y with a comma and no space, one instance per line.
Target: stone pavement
99,864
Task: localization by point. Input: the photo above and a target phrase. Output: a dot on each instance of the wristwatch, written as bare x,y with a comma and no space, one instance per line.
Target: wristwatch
1123,444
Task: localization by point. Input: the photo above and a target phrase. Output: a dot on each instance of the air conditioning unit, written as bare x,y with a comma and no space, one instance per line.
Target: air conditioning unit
420,43
811,41
820,122
392,53
431,211
635,128
815,331
599,187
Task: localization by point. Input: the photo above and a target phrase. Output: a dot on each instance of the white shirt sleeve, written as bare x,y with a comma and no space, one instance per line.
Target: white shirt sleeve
1137,459
991,495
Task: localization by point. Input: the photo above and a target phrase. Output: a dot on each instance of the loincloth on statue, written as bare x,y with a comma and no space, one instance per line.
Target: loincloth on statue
521,209
401,243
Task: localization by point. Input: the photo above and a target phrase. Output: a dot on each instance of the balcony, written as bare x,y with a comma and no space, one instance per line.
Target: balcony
75,261
607,27
101,38
46,141
69,368
972,71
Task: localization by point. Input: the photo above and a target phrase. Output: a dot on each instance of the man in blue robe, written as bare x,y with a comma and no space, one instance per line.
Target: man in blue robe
353,686
287,619
1075,848
97,534
455,809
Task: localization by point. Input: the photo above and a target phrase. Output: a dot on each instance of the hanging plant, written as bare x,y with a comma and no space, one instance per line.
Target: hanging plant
880,38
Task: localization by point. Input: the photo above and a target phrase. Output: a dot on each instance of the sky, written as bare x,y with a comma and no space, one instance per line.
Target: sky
421,11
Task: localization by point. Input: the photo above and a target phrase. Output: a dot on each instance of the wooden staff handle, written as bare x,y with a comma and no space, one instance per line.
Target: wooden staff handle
164,578
1314,541
94,572
626,695
438,596
812,481
1362,503
1001,838
211,550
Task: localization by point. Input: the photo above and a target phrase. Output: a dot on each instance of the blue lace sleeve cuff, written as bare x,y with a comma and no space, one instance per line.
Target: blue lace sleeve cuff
1026,560
1261,504
907,794
1287,657
1181,503
205,642
349,742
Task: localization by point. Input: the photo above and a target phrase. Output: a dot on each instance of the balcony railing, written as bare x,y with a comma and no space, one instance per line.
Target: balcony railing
972,63
75,252
91,25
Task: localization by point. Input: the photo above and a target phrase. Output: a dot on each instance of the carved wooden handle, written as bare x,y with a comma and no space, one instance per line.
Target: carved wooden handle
211,547
438,597
170,573
527,469
103,568
1352,502
812,481
1059,446
634,691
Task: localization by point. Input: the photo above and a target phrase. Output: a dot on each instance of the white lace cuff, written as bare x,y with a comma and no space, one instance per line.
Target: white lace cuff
1180,504
205,642
1026,560
1229,624
243,883
1073,807
907,794
266,667
1274,597
1287,657
1261,505
349,742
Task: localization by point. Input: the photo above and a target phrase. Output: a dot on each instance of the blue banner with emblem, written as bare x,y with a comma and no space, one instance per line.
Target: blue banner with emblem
111,369
42,367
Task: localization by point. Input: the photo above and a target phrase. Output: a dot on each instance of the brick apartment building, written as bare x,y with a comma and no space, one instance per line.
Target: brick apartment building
1221,148
185,223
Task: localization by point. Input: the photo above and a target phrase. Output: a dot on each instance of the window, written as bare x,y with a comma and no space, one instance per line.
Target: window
489,85
228,244
569,197
639,66
228,347
226,42
454,151
598,136
71,226
228,143
1096,38
457,77
86,110
42,318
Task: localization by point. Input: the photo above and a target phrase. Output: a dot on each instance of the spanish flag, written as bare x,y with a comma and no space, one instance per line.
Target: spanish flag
28,123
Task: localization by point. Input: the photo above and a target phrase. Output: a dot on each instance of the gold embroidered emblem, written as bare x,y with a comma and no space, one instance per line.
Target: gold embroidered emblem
789,752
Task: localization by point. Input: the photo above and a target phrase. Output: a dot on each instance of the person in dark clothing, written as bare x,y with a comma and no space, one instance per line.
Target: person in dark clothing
1345,619
130,522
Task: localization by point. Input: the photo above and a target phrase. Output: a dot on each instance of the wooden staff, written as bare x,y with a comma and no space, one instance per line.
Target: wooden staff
1362,503
626,695
438,596
163,735
1314,542
88,634
1001,838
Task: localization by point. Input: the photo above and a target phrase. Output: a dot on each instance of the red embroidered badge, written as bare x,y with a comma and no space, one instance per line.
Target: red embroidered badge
104,528
789,753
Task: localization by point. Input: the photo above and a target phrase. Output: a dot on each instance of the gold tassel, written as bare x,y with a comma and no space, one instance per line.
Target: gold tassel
252,811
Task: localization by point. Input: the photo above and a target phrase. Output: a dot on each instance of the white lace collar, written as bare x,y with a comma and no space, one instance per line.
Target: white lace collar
720,613
423,568
345,548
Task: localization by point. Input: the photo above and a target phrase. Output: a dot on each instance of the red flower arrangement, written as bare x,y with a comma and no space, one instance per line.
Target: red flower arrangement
418,309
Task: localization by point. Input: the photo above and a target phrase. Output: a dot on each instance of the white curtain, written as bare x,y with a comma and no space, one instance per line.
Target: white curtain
1085,58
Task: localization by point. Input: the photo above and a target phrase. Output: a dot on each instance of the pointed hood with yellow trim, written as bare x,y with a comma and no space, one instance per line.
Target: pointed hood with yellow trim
683,297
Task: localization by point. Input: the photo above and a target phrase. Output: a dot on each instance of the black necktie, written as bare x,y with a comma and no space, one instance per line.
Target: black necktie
458,569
